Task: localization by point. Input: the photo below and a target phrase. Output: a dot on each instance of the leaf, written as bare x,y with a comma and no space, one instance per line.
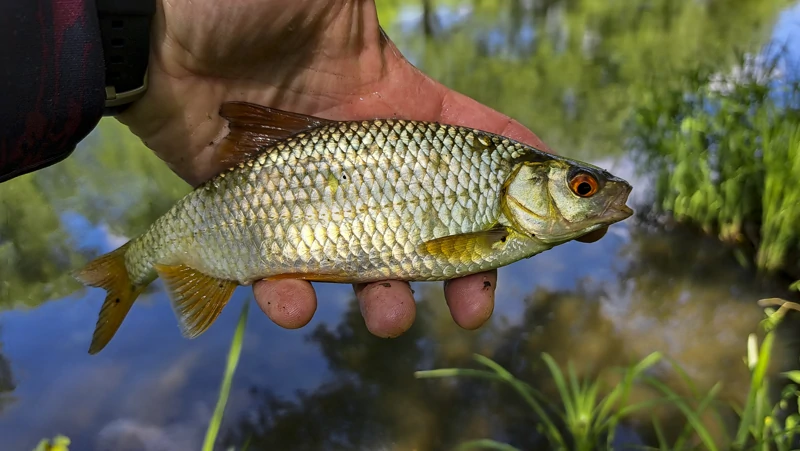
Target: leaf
795,286
793,375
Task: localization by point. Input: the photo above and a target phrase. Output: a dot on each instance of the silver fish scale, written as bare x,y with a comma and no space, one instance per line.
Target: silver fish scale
353,200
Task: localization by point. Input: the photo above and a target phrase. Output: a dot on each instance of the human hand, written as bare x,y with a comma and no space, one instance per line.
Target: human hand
327,59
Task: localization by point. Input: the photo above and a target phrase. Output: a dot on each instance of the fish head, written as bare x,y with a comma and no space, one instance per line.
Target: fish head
558,200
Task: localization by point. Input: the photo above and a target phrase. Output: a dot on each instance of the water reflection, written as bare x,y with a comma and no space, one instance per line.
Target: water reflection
52,220
570,71
699,314
7,383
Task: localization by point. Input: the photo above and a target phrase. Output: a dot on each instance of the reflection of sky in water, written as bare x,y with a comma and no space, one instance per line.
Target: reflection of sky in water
61,388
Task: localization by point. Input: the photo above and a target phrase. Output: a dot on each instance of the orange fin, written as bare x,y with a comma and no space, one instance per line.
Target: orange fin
253,128
465,245
197,299
312,277
109,272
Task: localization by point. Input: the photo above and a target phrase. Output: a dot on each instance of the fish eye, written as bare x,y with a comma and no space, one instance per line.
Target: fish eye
583,184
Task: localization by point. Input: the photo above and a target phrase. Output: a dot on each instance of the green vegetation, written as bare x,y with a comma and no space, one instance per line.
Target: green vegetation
588,421
573,71
59,443
227,379
725,153
583,420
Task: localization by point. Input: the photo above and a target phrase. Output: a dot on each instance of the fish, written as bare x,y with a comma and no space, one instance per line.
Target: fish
302,197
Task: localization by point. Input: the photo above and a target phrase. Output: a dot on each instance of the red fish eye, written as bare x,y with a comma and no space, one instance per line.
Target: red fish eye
584,185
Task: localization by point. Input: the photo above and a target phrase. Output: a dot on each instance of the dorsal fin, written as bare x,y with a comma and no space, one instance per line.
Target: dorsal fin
255,127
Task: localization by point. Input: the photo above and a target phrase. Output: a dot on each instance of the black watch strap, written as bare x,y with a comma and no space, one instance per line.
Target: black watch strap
125,33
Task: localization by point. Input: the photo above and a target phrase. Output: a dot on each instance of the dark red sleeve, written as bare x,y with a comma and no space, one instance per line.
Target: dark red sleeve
52,81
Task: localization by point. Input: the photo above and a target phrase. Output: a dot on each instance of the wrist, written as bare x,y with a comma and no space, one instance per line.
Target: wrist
125,36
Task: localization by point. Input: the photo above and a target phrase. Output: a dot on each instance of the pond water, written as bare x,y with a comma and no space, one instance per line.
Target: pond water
567,71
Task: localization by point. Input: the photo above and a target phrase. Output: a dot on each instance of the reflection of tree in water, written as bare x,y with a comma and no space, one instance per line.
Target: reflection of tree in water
692,312
112,179
680,294
373,399
7,384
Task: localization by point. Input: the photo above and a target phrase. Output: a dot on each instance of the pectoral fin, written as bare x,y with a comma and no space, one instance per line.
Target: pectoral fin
465,245
197,299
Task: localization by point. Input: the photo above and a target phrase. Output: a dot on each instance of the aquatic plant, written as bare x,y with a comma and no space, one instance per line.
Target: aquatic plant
583,420
589,420
725,153
234,353
59,443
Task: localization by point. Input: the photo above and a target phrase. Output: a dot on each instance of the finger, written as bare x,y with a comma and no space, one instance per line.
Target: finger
471,298
288,303
388,307
591,237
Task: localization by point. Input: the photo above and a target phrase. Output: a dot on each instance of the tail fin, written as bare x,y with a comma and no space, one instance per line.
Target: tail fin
109,272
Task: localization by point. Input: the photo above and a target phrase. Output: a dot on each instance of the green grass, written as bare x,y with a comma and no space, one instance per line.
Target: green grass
583,420
227,380
725,153
589,420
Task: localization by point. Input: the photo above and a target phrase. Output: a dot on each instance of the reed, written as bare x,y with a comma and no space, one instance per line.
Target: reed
724,151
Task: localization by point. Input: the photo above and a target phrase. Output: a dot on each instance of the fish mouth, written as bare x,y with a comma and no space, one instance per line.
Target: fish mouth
617,209
619,213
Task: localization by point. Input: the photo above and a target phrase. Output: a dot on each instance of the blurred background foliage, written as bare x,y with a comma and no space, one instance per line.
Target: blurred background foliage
574,70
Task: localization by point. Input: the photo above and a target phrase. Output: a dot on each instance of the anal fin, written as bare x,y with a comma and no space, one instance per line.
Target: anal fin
465,245
197,298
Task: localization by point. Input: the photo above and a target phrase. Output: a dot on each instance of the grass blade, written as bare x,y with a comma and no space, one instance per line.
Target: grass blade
230,368
456,372
690,415
487,444
527,392
502,375
663,444
558,378
749,416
